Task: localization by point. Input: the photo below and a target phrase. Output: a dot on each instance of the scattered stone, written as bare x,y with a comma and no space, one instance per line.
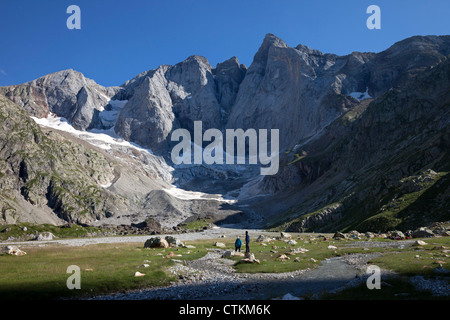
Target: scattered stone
285,235
188,246
292,242
419,243
263,238
299,250
177,261
12,250
138,274
229,253
89,269
171,255
283,257
313,260
250,258
332,247
220,244
145,265
297,259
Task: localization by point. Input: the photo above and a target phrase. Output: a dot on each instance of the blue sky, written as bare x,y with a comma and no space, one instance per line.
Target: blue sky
119,39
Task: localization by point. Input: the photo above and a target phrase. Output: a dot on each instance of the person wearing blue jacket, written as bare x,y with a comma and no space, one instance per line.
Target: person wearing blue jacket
247,242
237,244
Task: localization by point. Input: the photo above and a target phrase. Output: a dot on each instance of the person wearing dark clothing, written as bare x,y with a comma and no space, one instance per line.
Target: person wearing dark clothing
237,244
247,242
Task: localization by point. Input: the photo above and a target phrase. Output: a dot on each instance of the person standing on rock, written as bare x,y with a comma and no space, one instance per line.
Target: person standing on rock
247,242
238,244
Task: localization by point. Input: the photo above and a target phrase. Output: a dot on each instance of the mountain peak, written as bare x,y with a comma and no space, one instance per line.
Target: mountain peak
269,41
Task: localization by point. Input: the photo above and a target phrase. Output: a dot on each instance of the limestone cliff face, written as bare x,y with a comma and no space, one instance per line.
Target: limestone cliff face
363,160
351,128
173,97
297,90
66,93
300,90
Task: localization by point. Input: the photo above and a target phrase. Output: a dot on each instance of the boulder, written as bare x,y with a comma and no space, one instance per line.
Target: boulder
423,233
12,250
285,235
419,243
396,235
250,258
173,241
299,250
263,238
45,236
354,233
220,244
339,235
156,242
283,257
172,255
229,253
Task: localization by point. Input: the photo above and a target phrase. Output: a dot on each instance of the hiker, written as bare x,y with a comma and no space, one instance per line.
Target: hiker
247,242
238,244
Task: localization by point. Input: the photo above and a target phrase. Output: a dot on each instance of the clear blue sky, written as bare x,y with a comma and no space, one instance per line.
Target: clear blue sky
119,39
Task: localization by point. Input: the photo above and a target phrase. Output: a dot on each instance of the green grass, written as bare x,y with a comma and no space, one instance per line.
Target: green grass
406,263
318,250
16,231
197,224
409,262
110,268
105,268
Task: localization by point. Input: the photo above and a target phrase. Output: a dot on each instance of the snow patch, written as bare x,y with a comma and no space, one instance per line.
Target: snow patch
104,139
361,95
195,195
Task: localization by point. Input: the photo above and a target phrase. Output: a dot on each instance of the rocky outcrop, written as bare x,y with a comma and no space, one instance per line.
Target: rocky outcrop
389,156
66,93
53,179
173,97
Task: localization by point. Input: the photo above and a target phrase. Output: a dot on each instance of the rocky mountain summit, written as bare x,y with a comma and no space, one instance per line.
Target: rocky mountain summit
364,141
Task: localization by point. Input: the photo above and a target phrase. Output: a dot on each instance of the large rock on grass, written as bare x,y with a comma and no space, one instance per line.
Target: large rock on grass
156,242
